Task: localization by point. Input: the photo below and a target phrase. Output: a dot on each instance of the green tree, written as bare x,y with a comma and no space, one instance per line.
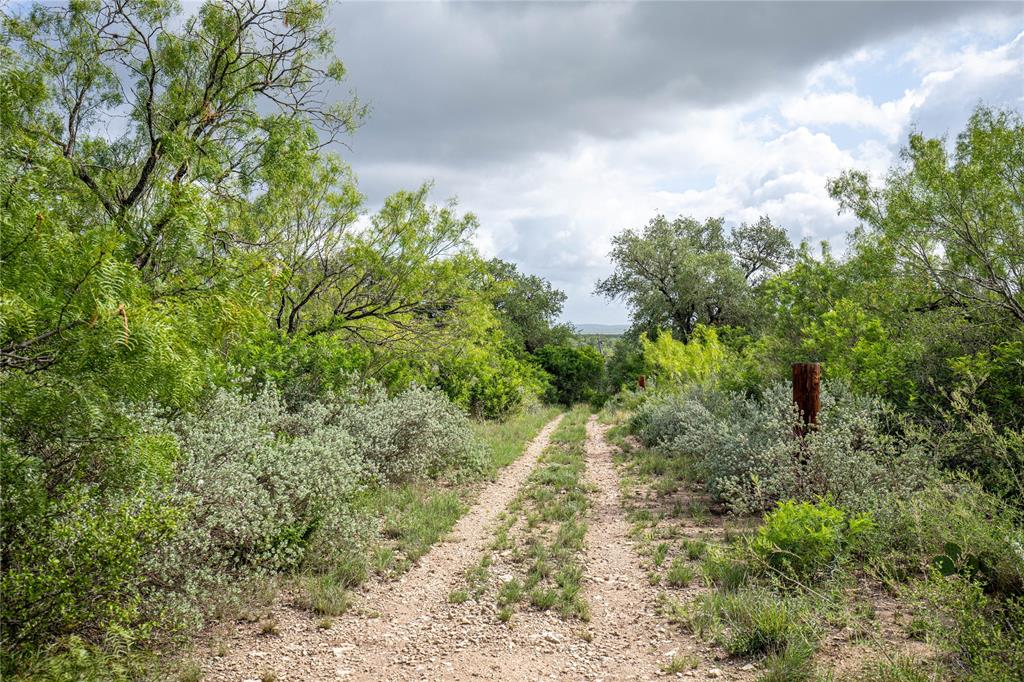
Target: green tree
761,249
397,279
955,221
939,259
625,365
528,305
112,240
576,372
136,144
677,274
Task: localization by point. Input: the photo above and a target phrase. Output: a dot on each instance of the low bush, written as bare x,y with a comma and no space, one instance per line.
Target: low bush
264,490
746,450
261,481
416,433
797,541
661,419
954,525
699,359
244,486
799,538
967,439
78,568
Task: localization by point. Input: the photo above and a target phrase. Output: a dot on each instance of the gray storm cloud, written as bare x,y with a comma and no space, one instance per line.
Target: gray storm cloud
484,82
472,94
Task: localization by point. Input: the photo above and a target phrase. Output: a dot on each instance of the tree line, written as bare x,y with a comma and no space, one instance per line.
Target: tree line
181,248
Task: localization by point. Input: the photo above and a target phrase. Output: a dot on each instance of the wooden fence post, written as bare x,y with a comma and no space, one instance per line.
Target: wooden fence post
807,391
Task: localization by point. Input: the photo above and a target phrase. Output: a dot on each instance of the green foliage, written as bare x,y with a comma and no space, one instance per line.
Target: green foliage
263,486
858,351
680,273
760,249
419,520
986,636
745,449
753,622
416,433
699,359
800,538
915,465
679,574
527,305
625,364
794,663
75,564
954,222
504,441
727,570
482,374
968,440
576,372
978,533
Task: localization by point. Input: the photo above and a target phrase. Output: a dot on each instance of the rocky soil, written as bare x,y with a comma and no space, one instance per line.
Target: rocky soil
407,629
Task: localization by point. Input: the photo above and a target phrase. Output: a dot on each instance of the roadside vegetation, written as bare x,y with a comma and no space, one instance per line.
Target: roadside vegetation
222,376
224,379
885,541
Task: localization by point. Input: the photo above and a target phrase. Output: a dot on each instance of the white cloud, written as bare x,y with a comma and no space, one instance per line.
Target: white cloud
555,212
848,108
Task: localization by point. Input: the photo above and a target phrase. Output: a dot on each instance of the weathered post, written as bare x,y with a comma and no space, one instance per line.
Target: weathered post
807,391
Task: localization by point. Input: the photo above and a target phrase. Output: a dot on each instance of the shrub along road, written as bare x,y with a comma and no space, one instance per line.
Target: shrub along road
413,628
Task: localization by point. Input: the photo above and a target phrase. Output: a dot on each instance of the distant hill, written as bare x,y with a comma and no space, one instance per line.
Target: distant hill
607,329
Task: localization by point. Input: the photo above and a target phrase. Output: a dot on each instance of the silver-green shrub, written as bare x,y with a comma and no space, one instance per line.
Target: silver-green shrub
263,491
418,432
748,451
664,417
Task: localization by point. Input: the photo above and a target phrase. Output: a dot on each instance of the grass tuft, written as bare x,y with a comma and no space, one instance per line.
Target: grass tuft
324,595
679,574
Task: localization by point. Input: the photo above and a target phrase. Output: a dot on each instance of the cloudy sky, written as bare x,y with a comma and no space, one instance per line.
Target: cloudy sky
561,124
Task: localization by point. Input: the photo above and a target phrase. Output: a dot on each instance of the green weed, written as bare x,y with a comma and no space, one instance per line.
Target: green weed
679,574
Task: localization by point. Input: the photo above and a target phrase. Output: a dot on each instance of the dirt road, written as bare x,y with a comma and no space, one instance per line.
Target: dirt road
408,630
